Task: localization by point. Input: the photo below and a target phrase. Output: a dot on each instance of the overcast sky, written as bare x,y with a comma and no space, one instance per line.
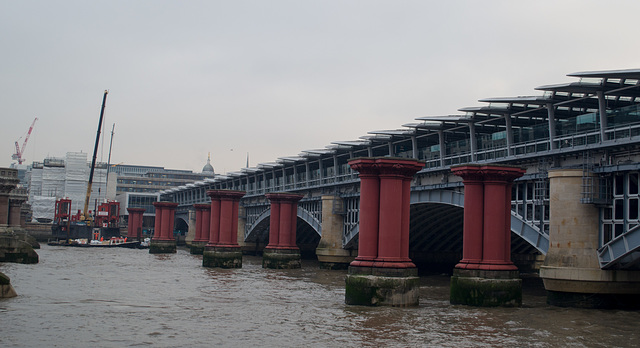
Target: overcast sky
274,78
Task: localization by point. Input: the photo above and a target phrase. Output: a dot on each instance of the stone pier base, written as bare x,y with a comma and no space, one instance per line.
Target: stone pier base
6,290
332,258
162,247
197,248
483,288
371,286
222,257
281,258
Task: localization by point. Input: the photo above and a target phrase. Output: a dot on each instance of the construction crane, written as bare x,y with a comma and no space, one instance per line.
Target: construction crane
19,151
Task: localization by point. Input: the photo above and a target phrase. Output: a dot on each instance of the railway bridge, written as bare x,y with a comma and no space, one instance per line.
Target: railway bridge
575,212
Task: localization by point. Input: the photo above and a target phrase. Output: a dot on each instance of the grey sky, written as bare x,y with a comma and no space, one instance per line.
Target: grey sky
273,78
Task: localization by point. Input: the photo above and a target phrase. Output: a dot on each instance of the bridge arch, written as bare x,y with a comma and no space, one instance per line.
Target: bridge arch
260,227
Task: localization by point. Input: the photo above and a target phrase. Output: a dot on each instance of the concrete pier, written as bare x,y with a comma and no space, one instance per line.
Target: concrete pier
571,270
330,253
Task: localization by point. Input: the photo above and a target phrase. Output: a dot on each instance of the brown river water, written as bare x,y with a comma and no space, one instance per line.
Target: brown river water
78,297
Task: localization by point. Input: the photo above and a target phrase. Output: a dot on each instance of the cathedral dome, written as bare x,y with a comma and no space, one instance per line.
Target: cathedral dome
208,168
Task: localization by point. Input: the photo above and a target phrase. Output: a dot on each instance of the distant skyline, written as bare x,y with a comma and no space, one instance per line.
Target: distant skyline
273,78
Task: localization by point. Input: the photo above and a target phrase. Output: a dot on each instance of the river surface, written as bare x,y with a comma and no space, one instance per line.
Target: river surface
78,297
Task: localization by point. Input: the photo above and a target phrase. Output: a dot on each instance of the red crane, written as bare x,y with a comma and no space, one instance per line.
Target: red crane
19,152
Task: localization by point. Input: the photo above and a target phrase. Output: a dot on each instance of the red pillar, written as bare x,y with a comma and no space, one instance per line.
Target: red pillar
283,220
214,218
369,210
390,230
472,238
226,221
157,231
224,217
134,226
385,185
487,216
274,222
165,215
497,217
203,220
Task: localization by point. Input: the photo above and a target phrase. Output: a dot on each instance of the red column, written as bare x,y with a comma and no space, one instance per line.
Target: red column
294,224
472,238
165,214
283,220
369,210
497,217
406,218
134,227
285,224
390,229
224,217
226,221
214,220
234,225
394,212
203,219
487,216
198,222
385,192
157,231
274,222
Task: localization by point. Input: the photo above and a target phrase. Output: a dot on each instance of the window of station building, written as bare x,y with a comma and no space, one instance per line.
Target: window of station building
624,212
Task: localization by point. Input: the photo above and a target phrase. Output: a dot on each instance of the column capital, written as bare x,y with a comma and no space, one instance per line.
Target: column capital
226,194
364,166
398,166
368,166
283,197
165,205
473,172
201,206
136,210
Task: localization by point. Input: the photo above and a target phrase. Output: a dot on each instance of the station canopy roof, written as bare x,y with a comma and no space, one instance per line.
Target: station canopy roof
620,88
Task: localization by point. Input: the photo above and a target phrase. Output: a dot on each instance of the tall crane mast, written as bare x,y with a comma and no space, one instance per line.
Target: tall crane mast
85,214
20,151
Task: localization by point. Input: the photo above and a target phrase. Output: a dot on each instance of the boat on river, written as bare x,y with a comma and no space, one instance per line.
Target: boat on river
110,243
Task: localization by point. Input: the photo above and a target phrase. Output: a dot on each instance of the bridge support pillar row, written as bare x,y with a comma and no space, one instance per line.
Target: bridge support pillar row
383,274
163,241
223,250
203,219
571,272
486,276
282,251
134,227
330,253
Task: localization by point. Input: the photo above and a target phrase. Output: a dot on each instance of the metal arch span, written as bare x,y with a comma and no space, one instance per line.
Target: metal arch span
303,214
622,251
525,230
522,228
